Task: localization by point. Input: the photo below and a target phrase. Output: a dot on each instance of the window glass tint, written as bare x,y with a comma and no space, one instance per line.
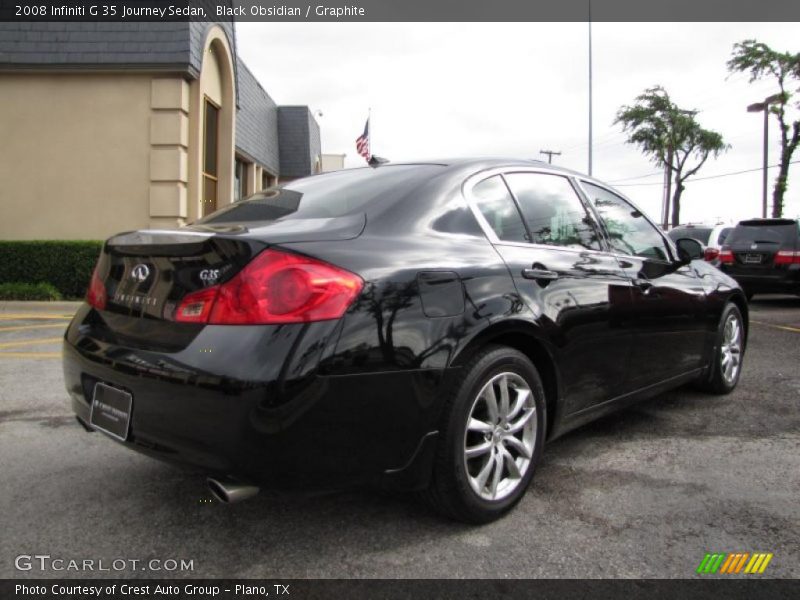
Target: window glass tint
553,211
628,231
784,234
498,208
329,195
723,235
701,234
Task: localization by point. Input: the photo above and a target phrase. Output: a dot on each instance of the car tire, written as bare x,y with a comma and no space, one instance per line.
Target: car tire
725,368
475,437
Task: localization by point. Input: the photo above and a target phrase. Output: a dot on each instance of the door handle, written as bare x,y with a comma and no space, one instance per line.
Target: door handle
539,274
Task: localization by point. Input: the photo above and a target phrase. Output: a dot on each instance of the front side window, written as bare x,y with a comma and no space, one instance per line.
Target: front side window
629,232
553,211
498,208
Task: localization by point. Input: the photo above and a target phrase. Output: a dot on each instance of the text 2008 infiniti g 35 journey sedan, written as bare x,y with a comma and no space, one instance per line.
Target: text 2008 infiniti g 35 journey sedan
418,326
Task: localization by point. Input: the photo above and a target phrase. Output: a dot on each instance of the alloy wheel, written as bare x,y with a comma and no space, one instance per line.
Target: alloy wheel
731,349
500,436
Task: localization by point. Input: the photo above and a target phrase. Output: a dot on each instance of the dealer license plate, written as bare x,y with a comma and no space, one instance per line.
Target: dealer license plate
111,411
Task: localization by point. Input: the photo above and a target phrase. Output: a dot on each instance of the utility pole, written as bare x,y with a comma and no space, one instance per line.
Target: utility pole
550,154
590,87
667,187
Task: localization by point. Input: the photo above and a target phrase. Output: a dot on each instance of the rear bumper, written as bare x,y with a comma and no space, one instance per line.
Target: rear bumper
309,431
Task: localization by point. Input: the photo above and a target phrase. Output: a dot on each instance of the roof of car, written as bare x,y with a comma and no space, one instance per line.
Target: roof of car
486,162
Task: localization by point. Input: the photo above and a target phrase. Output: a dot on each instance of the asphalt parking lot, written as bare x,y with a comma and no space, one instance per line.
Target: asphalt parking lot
644,493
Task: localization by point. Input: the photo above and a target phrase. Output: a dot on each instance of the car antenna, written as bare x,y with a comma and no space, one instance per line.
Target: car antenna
377,161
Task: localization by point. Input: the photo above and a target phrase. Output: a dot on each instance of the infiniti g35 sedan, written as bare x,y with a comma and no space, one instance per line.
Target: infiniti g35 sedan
422,327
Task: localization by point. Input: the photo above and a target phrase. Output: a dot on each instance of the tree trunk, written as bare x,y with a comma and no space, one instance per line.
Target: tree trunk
676,203
780,190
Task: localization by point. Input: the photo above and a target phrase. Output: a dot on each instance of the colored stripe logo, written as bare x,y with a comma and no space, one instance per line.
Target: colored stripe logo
734,563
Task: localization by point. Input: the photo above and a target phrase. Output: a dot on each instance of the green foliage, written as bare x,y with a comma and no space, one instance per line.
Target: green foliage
760,62
657,125
66,265
670,136
28,291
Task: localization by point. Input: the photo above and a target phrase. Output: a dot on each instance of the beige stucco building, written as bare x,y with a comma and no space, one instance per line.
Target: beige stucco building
109,127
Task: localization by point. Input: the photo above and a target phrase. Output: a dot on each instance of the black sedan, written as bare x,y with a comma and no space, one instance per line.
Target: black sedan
414,326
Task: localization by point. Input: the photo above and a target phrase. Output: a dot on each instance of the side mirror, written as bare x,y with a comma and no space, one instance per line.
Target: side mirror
689,250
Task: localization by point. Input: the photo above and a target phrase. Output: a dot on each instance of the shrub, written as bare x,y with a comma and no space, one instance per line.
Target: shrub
28,291
66,265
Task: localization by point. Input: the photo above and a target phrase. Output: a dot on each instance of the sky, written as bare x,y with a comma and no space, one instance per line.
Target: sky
442,90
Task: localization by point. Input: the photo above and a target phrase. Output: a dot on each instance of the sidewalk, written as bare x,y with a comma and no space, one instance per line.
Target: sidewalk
61,308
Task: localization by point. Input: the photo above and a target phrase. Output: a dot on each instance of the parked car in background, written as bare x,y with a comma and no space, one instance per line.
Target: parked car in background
711,236
763,255
415,326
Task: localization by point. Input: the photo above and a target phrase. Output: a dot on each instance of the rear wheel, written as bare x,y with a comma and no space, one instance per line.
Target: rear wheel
726,363
492,437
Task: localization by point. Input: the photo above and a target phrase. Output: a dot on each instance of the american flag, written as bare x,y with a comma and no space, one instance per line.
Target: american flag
362,142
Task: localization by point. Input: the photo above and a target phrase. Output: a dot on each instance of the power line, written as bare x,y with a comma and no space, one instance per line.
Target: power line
708,176
651,174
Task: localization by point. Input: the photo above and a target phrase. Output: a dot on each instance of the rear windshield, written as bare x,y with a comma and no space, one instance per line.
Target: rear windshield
744,233
325,196
701,234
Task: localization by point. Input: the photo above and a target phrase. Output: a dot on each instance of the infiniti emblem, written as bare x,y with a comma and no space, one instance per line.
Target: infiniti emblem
140,272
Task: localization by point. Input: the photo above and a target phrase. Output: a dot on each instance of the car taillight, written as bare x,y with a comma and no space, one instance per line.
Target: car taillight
276,287
96,295
710,254
196,307
726,256
787,257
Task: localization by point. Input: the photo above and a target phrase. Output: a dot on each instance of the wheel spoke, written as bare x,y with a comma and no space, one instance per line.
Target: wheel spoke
519,402
483,474
517,445
520,423
513,469
498,473
479,450
481,426
491,402
505,402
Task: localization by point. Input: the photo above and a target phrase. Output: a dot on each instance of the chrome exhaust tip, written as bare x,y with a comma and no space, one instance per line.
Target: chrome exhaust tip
230,491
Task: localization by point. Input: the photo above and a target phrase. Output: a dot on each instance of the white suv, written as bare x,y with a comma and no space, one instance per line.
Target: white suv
711,236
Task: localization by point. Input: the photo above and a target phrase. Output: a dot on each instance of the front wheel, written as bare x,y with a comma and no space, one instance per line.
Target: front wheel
726,362
492,437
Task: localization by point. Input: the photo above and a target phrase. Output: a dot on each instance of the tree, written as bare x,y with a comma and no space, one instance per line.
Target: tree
762,62
671,137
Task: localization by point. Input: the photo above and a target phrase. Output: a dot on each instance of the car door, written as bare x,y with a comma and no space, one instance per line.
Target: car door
669,299
575,288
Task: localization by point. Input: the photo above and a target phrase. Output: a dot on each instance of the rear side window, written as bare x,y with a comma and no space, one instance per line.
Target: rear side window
783,234
498,208
553,211
329,195
723,235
